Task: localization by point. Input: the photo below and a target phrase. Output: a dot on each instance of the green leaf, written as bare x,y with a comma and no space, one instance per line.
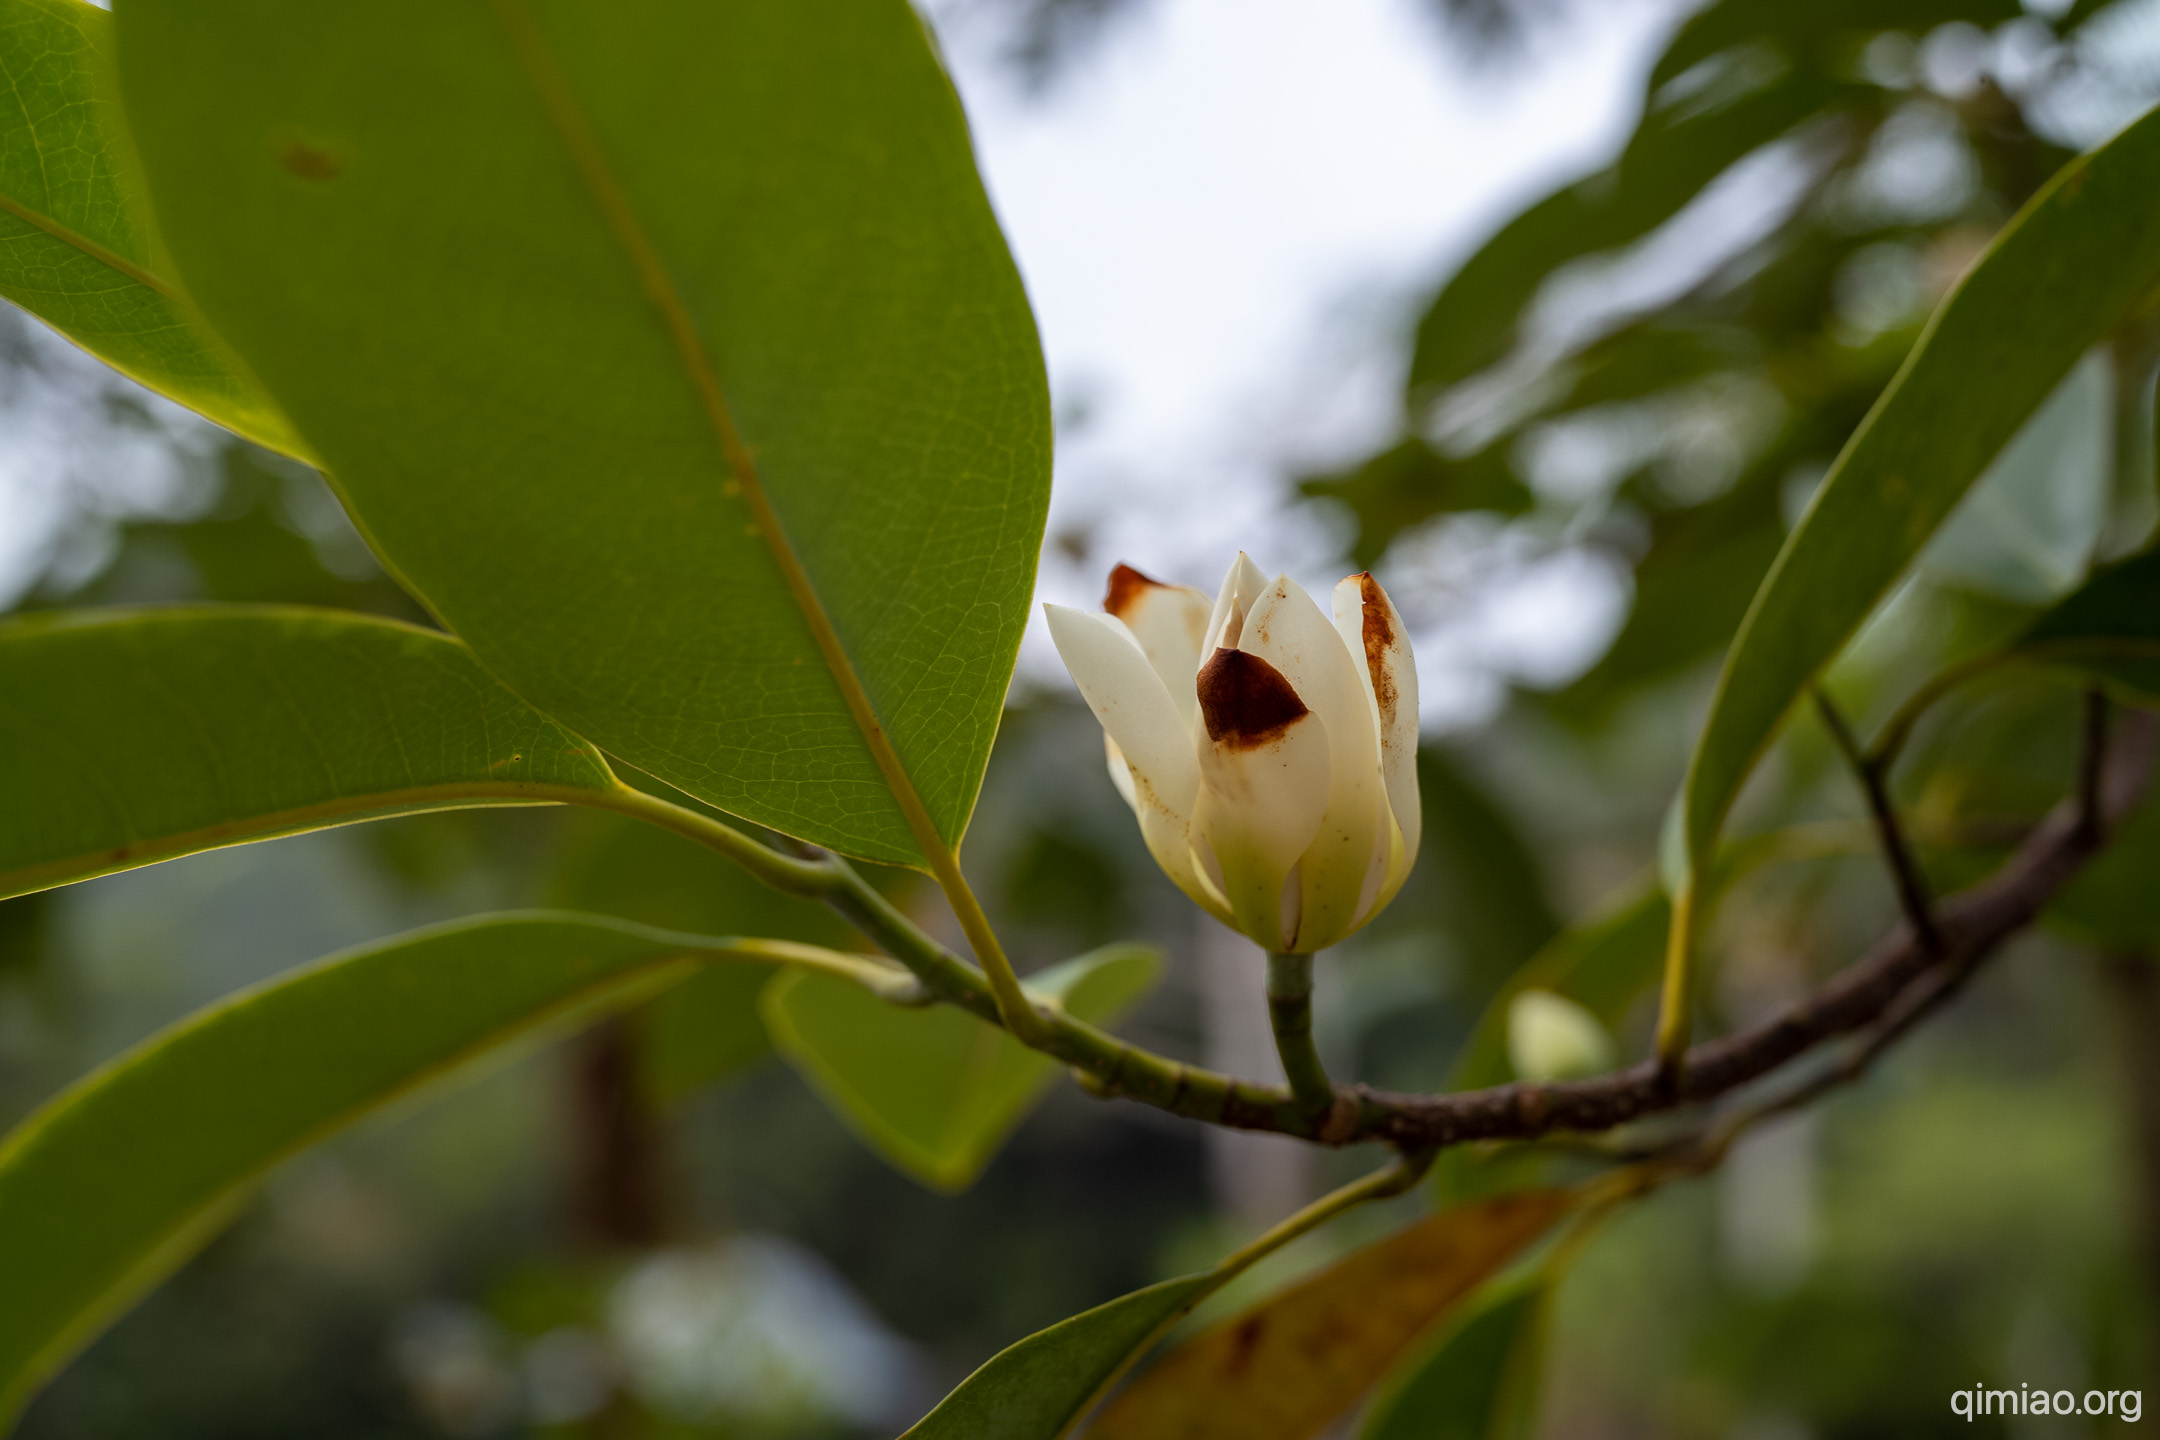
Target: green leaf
132,736
706,1028
2108,629
2063,273
1288,1367
936,1091
75,243
1817,28
108,1187
1039,1388
1673,155
1476,1381
671,352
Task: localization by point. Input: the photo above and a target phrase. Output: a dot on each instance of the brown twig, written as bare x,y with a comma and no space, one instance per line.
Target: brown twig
1912,888
1883,994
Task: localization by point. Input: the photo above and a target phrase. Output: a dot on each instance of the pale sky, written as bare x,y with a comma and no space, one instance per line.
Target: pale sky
1220,215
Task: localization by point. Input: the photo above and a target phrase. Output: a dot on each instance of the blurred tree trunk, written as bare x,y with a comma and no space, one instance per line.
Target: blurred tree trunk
617,1171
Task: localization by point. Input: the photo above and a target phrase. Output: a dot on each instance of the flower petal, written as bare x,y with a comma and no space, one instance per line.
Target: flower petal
1145,736
1373,630
1286,629
1169,621
1240,588
1263,791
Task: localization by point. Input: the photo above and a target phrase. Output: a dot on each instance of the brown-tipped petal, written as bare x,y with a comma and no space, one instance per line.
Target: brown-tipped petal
1150,748
1168,621
1373,629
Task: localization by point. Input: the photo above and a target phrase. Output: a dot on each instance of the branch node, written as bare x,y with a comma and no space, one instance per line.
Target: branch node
1905,874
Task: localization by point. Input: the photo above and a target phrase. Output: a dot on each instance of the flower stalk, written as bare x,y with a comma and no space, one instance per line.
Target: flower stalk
1289,995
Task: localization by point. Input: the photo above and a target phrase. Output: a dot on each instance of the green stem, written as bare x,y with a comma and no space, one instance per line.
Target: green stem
1289,996
1107,1065
1393,1180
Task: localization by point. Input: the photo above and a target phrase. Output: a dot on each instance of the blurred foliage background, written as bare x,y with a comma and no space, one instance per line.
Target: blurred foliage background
655,1229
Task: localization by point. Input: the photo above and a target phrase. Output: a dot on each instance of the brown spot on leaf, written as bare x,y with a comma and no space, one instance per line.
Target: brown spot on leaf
310,162
1245,701
1379,633
1127,585
1244,1340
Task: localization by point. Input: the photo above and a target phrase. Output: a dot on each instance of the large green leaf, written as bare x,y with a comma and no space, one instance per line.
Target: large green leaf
1477,1380
2066,270
75,244
671,352
936,1091
1286,1368
1039,1388
131,736
112,1184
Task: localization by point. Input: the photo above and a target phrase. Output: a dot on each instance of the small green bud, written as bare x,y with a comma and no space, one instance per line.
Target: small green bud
1552,1038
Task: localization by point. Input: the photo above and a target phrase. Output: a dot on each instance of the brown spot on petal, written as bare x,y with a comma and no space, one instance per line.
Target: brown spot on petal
1127,585
1379,633
1245,701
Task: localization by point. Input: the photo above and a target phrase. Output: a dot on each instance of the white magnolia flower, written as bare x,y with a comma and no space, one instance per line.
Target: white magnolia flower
1270,753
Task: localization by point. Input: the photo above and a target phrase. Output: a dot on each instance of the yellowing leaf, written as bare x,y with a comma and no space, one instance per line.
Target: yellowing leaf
1287,1368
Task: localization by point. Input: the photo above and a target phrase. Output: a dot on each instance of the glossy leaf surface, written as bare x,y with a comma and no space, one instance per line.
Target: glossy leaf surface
131,736
112,1184
1286,1368
937,1090
75,244
2060,276
1039,1388
692,384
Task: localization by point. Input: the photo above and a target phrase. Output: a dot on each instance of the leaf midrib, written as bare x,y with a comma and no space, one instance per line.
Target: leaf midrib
530,50
30,215
298,820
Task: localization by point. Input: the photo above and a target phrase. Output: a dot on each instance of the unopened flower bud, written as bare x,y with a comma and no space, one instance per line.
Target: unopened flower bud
1550,1038
1269,751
